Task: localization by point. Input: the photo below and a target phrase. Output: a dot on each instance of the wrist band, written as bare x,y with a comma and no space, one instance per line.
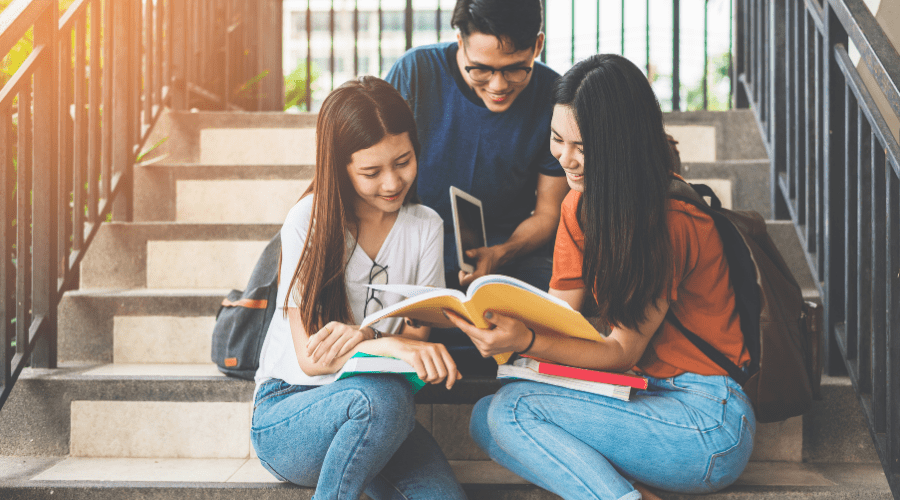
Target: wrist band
376,334
530,344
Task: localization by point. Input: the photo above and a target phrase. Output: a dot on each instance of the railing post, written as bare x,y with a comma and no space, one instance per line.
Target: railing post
178,73
833,120
44,220
123,112
777,103
738,55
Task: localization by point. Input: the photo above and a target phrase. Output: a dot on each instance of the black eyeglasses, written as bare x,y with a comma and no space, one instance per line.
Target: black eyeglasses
378,275
483,74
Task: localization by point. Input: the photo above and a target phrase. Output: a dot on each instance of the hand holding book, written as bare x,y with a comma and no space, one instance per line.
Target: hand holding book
500,294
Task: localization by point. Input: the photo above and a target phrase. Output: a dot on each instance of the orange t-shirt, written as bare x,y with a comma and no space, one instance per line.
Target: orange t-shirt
701,296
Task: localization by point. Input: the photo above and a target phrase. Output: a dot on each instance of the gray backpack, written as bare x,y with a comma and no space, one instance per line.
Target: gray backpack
244,316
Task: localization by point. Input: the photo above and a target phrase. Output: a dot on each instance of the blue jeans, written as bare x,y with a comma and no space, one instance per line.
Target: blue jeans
354,435
688,434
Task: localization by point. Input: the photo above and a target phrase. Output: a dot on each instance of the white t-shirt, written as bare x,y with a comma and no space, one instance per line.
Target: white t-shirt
412,253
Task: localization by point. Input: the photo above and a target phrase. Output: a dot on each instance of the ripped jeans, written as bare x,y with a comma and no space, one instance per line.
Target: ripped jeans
349,436
688,434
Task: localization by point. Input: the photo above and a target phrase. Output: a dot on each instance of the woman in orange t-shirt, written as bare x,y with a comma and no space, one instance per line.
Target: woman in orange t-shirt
624,243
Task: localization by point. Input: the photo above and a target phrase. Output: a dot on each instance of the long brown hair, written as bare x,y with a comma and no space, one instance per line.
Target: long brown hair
355,116
627,262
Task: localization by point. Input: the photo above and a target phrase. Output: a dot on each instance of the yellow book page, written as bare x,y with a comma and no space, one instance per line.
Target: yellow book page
531,309
430,312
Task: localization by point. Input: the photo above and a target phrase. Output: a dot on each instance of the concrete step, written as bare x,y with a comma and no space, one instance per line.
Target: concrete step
189,192
174,255
71,478
95,324
739,184
711,136
177,410
238,138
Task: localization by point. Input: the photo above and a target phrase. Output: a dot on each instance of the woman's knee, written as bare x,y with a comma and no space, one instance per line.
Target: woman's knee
478,423
383,399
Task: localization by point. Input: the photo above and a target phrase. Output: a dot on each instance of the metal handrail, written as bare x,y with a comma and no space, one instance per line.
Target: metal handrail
74,117
836,174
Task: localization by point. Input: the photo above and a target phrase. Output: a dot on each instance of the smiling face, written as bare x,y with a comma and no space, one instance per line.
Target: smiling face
383,174
486,51
566,145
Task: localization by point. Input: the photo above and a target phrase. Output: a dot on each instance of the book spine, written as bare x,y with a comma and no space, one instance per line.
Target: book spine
592,376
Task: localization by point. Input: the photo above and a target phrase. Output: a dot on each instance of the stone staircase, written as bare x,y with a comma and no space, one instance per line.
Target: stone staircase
138,411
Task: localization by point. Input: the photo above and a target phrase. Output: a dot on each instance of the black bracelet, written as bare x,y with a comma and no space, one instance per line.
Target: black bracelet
530,344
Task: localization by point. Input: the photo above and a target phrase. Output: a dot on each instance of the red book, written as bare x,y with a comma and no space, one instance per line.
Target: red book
547,368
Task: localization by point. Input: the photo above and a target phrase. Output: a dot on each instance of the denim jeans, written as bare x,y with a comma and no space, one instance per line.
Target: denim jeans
688,434
354,435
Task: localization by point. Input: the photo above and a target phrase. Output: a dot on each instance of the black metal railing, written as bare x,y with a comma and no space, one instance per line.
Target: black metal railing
328,45
836,174
75,116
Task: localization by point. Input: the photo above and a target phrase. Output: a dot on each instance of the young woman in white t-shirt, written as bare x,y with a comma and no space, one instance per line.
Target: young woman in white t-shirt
358,223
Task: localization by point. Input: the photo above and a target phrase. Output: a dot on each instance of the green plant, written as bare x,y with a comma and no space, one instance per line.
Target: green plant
295,87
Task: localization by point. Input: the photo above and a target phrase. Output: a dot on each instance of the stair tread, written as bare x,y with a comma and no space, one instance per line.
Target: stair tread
79,472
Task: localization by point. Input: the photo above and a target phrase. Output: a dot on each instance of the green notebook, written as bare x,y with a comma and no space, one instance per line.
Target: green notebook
362,363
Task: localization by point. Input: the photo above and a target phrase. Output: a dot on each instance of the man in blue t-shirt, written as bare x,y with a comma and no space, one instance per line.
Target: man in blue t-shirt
483,107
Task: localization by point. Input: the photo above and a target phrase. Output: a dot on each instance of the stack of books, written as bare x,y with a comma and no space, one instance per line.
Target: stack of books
615,385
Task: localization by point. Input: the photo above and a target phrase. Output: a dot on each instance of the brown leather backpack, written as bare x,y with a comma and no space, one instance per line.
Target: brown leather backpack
780,329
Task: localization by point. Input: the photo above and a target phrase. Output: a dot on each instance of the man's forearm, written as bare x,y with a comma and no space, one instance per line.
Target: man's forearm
530,235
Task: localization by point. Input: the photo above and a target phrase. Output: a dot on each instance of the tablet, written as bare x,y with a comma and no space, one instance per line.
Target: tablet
468,226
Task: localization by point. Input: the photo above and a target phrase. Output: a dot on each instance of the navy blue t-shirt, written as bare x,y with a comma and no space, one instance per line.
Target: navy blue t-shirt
495,157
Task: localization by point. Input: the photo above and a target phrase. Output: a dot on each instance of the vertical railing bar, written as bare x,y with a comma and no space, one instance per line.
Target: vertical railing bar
730,52
331,33
44,187
107,120
646,35
437,21
706,55
123,109
380,30
356,37
159,15
148,64
830,128
23,222
863,277
793,90
136,70
229,67
676,54
169,49
622,28
94,116
308,55
6,173
408,24
854,194
815,158
546,36
892,374
79,153
572,53
65,155
598,26
879,280
752,52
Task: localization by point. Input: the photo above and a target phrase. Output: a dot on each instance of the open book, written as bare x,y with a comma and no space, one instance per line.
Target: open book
361,363
503,294
520,370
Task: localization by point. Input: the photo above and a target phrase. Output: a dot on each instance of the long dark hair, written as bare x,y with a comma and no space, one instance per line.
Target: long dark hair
627,251
355,116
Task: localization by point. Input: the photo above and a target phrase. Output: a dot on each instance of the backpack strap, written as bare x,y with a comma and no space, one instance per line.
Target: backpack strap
711,352
693,194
